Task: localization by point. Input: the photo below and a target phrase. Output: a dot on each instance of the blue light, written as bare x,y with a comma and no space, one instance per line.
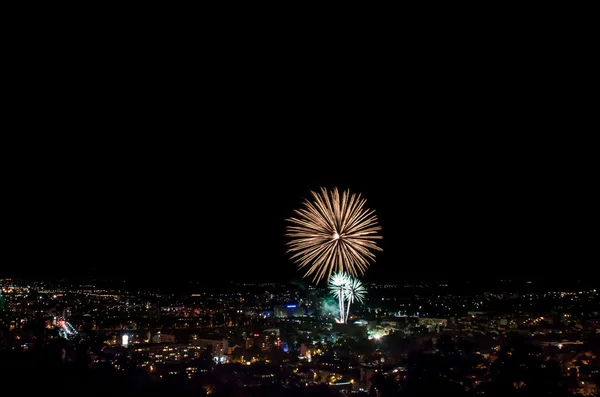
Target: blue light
290,306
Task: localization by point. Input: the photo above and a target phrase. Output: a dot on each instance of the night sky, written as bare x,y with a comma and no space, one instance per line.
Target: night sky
213,210
124,160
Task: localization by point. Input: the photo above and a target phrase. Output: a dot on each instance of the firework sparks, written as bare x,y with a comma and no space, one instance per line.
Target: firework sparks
338,284
354,290
346,289
333,232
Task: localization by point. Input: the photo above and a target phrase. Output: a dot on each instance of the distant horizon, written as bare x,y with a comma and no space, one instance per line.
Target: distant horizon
414,277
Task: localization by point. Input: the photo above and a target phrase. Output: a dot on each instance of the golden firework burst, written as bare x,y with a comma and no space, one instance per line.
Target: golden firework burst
333,232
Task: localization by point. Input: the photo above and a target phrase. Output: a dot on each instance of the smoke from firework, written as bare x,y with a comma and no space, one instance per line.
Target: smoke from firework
329,306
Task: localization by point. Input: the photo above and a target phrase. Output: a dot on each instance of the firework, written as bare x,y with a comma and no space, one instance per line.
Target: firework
346,289
338,283
354,290
333,232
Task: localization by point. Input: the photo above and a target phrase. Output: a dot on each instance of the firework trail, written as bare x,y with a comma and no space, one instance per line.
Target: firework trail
346,289
354,290
338,283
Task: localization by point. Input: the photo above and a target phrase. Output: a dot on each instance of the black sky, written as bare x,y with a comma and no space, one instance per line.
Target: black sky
157,165
213,210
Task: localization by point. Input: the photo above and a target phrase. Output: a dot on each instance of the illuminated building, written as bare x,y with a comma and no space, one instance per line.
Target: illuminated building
217,346
2,301
163,338
284,346
433,323
253,340
289,310
305,349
